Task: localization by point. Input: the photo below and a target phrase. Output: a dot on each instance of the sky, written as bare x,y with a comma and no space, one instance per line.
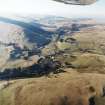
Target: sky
49,7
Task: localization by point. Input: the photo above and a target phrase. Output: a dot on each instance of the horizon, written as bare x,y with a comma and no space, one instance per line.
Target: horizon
49,7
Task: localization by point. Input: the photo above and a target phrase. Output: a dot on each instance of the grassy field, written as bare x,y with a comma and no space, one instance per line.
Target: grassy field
82,83
69,88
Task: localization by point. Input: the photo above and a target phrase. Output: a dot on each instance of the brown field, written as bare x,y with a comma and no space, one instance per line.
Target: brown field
69,88
82,83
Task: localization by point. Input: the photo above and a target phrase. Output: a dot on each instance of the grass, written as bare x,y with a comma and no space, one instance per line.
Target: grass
92,40
85,78
19,63
53,90
63,45
100,100
6,96
89,60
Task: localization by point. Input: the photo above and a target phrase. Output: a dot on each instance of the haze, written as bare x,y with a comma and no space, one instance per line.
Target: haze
48,7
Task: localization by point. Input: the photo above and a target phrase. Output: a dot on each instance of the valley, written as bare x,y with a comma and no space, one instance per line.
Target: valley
52,60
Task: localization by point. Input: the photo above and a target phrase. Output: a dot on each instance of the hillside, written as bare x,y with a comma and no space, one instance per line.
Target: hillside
69,88
51,60
23,37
